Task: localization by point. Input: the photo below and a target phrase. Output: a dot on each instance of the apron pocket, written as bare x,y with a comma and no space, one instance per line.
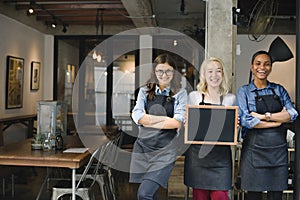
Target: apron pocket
214,156
269,156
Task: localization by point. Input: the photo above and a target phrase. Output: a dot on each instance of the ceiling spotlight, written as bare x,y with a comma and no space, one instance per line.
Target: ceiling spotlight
64,28
30,10
182,8
54,24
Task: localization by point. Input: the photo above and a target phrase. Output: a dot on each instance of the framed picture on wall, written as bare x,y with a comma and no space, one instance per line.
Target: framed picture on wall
14,82
35,75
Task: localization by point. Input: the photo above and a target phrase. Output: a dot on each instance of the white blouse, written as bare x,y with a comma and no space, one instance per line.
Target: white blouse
195,98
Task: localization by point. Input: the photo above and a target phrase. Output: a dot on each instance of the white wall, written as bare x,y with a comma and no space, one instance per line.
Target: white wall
22,41
283,73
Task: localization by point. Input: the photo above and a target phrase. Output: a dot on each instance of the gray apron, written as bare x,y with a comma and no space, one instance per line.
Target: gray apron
212,172
153,154
264,164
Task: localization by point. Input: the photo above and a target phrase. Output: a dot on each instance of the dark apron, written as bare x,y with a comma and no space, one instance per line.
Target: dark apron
212,172
153,154
264,157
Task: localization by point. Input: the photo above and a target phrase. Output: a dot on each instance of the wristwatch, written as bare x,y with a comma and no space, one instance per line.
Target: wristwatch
268,116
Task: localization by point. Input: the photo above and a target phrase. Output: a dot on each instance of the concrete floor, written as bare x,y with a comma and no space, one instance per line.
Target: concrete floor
28,181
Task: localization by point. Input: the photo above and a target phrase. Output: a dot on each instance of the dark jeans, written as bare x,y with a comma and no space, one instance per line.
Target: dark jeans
148,190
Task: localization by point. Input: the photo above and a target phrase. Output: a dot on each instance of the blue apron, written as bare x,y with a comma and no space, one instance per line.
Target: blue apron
264,158
153,154
212,172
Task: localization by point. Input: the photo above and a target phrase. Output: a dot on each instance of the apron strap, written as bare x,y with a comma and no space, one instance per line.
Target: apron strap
260,98
275,96
203,103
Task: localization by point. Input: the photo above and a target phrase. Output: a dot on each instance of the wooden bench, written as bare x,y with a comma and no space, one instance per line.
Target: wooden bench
27,120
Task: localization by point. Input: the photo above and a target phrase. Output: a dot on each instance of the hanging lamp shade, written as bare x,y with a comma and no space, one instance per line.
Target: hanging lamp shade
279,51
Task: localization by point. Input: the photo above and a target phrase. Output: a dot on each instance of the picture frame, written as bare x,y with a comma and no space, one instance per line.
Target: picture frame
14,82
35,75
213,125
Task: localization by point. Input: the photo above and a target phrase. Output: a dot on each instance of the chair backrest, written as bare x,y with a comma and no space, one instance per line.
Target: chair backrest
111,150
96,157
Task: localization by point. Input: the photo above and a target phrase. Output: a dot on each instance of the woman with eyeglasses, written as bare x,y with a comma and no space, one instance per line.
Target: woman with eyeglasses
207,168
159,112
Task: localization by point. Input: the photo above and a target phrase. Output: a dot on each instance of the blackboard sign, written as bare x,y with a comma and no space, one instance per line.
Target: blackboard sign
215,125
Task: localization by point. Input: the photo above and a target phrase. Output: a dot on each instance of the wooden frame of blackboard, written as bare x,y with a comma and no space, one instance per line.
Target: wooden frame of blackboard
213,125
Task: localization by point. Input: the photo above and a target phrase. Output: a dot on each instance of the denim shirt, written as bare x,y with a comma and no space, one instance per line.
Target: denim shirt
179,105
246,102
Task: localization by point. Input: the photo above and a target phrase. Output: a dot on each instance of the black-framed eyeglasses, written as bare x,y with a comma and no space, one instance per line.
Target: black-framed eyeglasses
160,72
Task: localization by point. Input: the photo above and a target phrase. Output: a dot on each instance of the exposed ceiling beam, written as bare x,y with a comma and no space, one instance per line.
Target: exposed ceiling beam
74,6
85,12
140,12
74,28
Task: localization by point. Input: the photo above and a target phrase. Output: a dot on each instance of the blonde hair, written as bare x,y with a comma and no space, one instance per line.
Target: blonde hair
202,85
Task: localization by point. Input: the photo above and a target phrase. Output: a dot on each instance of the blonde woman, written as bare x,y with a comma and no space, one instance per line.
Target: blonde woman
210,174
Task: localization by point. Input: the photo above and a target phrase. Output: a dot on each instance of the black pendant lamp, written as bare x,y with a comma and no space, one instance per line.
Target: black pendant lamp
279,51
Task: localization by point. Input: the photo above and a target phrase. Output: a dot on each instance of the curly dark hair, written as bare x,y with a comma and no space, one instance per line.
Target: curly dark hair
175,82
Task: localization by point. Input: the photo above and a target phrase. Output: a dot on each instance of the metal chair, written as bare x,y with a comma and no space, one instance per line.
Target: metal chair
86,180
105,182
104,176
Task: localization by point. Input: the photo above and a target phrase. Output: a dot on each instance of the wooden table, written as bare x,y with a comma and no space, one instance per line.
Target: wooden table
20,154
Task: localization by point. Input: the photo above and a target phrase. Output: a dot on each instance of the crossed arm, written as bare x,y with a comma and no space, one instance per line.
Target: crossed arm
156,121
159,122
276,119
